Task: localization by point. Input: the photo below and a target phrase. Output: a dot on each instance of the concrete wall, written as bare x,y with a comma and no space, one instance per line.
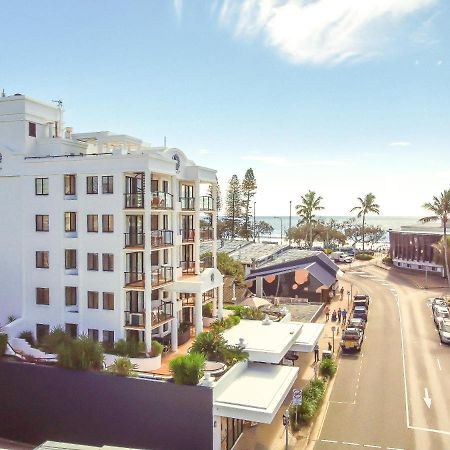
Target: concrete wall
41,403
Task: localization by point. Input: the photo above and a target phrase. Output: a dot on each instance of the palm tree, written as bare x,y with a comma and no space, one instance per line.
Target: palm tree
310,204
440,207
366,205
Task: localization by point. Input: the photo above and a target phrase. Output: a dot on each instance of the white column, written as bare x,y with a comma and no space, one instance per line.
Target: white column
198,318
214,224
214,303
259,286
197,226
175,224
174,331
217,433
220,302
147,267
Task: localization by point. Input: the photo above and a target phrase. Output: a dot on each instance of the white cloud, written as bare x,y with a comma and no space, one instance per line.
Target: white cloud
439,63
400,144
178,7
319,31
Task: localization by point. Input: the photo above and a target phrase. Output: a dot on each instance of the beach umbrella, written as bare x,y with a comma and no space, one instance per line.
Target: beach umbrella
255,302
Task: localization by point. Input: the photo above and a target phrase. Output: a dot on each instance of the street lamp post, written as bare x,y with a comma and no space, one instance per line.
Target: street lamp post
286,426
281,233
333,329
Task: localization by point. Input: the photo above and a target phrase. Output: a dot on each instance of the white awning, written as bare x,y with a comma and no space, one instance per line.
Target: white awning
207,280
253,391
308,337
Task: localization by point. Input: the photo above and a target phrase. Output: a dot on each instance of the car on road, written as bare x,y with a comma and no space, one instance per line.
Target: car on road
361,300
341,257
439,314
360,312
360,324
352,340
444,331
438,301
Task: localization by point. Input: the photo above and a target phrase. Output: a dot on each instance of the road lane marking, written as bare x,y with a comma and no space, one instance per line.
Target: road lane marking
427,399
394,448
430,430
329,440
351,443
372,446
439,364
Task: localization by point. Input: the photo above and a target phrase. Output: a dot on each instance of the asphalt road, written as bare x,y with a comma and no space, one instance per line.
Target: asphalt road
378,398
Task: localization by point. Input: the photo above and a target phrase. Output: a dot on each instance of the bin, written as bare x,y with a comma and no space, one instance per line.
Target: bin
326,354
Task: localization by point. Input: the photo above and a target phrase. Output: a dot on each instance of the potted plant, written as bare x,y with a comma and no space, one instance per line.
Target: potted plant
188,369
207,313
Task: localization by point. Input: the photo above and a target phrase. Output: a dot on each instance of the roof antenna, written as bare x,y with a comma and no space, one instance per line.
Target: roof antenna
59,103
3,93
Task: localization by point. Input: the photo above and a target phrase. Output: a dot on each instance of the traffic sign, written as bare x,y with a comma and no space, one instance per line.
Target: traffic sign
297,397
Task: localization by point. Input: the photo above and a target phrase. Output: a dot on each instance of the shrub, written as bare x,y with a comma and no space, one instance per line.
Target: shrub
188,369
233,320
239,310
82,354
363,256
157,348
11,318
3,343
207,310
130,348
253,314
28,336
387,260
328,251
55,339
224,324
120,347
313,395
123,367
328,367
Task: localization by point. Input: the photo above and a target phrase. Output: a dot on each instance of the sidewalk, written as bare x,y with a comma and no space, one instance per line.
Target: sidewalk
272,436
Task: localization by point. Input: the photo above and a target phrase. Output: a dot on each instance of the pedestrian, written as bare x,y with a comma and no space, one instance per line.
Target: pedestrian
327,313
333,316
339,315
344,316
329,347
342,292
316,353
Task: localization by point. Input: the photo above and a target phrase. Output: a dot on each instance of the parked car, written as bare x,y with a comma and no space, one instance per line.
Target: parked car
341,257
352,339
360,324
438,301
360,312
440,313
444,331
361,300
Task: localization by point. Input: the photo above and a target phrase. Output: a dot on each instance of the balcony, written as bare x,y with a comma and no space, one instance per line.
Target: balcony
206,203
187,203
136,240
187,235
161,275
135,280
161,238
188,267
207,234
134,319
162,200
208,296
134,201
162,314
207,262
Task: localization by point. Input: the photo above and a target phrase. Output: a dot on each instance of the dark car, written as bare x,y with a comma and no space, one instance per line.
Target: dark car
360,312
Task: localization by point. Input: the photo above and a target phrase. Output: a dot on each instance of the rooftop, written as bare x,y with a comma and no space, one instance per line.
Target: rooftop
257,251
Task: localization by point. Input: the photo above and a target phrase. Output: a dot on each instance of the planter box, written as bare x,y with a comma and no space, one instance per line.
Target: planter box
184,337
142,364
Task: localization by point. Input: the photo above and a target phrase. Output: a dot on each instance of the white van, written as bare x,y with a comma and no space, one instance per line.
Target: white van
341,257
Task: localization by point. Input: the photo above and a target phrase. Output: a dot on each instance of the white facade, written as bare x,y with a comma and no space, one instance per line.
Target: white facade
160,212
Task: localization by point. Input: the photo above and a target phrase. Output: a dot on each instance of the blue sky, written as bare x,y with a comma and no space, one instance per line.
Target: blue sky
344,98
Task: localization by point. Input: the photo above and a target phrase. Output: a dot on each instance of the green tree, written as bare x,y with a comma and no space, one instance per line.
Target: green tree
366,205
440,209
263,228
233,204
310,203
228,266
248,189
218,197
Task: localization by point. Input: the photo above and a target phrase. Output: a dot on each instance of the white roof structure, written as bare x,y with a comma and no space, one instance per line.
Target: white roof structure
308,337
264,342
253,391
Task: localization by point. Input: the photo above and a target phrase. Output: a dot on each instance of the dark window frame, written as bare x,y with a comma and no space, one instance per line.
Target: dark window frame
70,221
107,223
93,334
40,222
92,299
108,262
108,298
92,223
71,295
70,184
41,186
42,296
70,258
107,184
42,330
108,338
92,262
32,128
42,259
92,184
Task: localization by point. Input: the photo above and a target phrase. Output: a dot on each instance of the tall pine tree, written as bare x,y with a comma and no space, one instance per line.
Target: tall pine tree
248,192
233,205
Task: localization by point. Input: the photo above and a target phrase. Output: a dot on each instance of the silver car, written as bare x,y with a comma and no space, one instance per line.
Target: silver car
439,314
444,331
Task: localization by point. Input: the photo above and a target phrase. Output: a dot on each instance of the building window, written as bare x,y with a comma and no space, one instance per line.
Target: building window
165,327
92,223
108,262
107,184
433,269
92,300
70,185
107,223
108,338
71,295
108,300
31,129
93,334
42,296
70,221
92,261
42,330
41,222
41,186
72,330
91,185
42,259
70,259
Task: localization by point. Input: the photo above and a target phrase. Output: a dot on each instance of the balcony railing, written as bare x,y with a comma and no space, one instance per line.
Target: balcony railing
135,200
162,200
188,267
206,203
206,234
135,279
161,238
207,262
162,313
187,203
161,275
187,235
208,296
134,319
134,240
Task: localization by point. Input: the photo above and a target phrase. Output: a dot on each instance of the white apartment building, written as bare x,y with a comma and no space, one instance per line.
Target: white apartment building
100,233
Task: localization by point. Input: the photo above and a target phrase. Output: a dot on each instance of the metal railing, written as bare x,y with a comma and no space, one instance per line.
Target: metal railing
162,200
187,235
206,203
162,313
161,238
134,239
161,275
207,234
188,267
135,200
187,203
135,278
207,262
134,319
